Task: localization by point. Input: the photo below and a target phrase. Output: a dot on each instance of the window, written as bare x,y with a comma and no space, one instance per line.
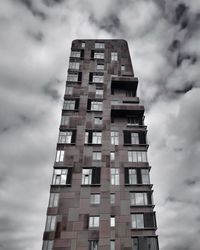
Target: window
145,243
112,245
112,156
112,199
69,91
99,46
131,121
50,223
69,104
137,156
96,156
100,66
75,53
72,77
97,78
114,137
145,176
134,138
74,65
132,176
62,176
98,55
130,93
64,120
98,120
95,199
137,221
60,155
122,67
83,44
53,199
99,92
66,137
91,176
93,221
96,106
47,245
96,137
112,221
114,172
138,199
93,137
93,244
114,56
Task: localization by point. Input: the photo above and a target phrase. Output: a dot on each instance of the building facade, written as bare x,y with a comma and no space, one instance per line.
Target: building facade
101,194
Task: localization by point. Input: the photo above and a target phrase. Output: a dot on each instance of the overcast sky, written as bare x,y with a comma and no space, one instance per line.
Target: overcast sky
35,40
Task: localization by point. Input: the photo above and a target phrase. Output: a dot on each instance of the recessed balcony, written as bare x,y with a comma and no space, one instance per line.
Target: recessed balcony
126,109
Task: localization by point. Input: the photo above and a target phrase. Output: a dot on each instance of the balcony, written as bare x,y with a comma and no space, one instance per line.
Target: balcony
121,109
123,82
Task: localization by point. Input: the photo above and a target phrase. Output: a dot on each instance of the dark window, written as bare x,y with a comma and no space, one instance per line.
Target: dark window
130,93
145,243
67,137
93,245
91,176
136,176
143,220
131,137
62,176
93,137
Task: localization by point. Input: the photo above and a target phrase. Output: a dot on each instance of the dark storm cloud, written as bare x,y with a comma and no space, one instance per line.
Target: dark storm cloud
51,3
38,36
50,89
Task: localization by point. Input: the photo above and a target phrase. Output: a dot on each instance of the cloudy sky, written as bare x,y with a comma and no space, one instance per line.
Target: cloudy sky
35,39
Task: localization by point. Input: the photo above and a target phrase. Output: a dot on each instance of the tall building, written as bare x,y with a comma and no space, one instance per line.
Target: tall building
101,194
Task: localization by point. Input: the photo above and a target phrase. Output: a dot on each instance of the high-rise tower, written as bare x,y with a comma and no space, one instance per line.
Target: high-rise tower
101,194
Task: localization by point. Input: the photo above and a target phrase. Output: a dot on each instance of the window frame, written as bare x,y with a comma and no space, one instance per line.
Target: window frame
114,176
94,221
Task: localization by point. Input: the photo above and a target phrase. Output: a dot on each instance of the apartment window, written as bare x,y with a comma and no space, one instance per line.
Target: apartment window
47,245
112,156
99,92
114,137
114,56
114,178
131,121
112,245
146,220
93,221
83,44
69,91
75,53
93,244
139,199
96,106
134,138
96,137
137,156
112,221
95,199
145,176
67,137
100,66
98,120
145,243
93,137
137,220
69,104
98,55
91,176
50,223
130,93
60,155
96,156
99,46
97,78
122,67
112,199
64,120
62,176
53,199
132,176
74,65
72,78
